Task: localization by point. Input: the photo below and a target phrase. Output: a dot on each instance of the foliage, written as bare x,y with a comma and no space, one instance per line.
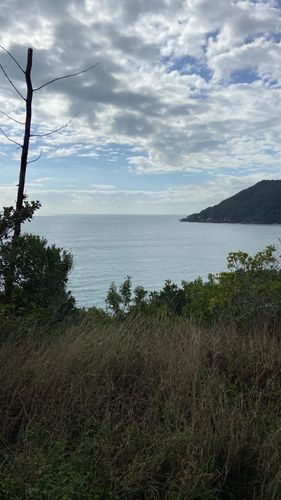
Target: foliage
147,408
10,218
33,275
199,299
251,288
170,299
118,300
98,407
40,274
92,315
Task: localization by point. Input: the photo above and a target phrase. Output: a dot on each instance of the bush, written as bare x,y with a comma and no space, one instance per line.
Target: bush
250,289
38,274
117,303
10,218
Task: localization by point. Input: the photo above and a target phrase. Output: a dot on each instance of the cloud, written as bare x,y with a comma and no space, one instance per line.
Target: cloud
183,85
43,180
104,187
177,199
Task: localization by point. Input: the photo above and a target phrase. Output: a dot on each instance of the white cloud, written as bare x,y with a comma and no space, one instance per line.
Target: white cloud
104,187
43,180
98,199
164,87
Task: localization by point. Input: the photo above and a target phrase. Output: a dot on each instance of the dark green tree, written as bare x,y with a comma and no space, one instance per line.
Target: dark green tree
39,275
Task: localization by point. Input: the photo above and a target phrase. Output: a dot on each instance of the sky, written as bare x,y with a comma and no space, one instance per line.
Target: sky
182,110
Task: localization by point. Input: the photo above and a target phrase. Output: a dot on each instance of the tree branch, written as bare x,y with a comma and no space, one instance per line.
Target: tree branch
11,118
9,138
10,81
36,159
57,129
66,76
12,57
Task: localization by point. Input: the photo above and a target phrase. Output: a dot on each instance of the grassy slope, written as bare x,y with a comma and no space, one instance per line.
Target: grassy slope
140,410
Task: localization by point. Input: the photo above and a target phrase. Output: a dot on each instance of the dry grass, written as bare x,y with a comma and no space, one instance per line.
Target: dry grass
140,410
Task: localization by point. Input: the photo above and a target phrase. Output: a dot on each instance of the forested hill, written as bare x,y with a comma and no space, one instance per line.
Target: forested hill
258,204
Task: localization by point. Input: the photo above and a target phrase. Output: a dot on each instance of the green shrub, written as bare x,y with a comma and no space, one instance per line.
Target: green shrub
38,273
199,299
10,218
250,289
119,301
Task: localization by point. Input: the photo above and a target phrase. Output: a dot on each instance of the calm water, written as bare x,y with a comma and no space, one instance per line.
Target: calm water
150,248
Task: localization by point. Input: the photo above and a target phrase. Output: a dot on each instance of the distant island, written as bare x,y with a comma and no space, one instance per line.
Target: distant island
258,204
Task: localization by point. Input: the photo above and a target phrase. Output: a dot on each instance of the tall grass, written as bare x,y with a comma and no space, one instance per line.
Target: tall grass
140,410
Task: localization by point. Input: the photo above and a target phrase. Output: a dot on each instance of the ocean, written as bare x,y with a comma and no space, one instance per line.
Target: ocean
149,248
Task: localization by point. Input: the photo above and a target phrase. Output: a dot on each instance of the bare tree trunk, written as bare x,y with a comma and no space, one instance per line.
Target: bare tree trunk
25,147
23,164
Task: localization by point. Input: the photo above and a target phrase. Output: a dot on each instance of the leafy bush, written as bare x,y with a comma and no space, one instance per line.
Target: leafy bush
252,286
250,289
39,275
121,301
199,299
10,218
33,275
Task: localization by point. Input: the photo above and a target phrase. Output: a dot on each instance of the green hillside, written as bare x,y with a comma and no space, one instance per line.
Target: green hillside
258,204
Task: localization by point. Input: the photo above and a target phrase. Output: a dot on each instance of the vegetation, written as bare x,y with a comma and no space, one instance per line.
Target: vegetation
39,276
142,408
10,218
250,290
259,204
33,275
170,394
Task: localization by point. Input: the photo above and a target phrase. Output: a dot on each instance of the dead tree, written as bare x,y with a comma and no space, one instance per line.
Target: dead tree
28,120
